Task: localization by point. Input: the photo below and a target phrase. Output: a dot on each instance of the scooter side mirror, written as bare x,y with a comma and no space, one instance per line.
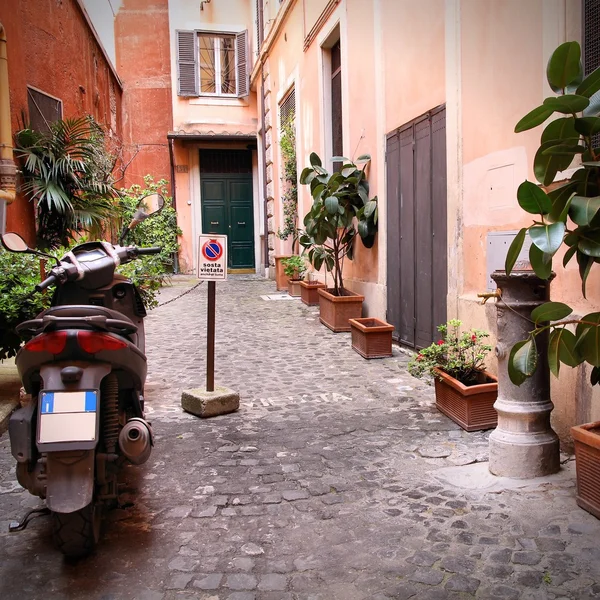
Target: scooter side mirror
148,206
13,242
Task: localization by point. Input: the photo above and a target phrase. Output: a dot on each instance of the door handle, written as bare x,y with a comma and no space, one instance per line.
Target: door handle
214,222
241,222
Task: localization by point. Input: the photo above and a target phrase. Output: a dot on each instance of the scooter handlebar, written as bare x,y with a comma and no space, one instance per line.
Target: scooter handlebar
50,280
147,251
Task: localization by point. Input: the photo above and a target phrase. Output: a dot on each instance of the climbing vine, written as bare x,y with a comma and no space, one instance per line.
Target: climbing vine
289,198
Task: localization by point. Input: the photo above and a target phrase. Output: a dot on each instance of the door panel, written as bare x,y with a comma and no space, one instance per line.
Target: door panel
417,261
227,208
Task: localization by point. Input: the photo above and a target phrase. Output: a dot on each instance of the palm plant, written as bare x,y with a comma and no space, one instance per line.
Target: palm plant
68,174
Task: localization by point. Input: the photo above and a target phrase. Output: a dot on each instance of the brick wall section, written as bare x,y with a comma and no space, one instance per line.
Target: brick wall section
143,63
51,47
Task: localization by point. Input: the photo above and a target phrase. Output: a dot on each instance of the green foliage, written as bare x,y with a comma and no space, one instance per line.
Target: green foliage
20,274
460,355
67,172
149,273
568,215
338,198
287,144
294,267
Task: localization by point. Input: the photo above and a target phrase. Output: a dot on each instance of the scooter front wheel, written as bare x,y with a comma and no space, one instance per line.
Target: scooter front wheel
76,534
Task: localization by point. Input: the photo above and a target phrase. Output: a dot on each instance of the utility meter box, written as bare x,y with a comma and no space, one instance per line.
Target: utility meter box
498,243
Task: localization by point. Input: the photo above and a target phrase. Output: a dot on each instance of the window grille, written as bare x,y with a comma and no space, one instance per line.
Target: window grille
43,109
591,47
287,108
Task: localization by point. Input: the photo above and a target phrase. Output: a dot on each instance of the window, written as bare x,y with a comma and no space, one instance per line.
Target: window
337,139
212,64
43,109
591,46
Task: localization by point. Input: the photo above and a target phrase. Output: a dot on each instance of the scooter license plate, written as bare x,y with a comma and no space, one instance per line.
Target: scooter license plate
68,416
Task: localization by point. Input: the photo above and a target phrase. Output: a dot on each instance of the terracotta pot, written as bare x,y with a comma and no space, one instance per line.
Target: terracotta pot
335,311
472,407
281,279
309,292
371,338
587,463
294,287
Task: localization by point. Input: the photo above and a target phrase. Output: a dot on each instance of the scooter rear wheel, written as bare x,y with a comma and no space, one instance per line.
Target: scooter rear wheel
76,534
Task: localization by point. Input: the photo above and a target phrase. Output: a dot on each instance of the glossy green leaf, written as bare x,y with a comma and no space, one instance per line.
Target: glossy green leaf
348,171
589,243
322,171
363,229
565,150
533,199
534,118
569,255
553,345
540,262
567,104
550,311
565,211
567,348
370,208
331,205
307,175
595,376
548,238
525,358
583,210
591,163
588,343
564,66
594,108
363,158
587,125
317,191
562,129
314,160
341,159
514,250
546,166
560,198
590,85
516,376
585,263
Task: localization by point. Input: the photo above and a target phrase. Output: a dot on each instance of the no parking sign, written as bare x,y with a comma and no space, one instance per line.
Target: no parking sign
212,257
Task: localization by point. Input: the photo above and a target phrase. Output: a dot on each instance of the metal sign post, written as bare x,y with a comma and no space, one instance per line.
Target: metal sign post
212,267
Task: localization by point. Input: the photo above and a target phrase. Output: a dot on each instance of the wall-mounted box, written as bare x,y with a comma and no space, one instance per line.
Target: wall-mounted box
498,243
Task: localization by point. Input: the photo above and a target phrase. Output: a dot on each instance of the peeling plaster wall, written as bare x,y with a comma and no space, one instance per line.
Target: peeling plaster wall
51,47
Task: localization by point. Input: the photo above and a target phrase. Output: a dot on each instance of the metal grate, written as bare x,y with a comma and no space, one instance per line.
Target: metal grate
225,161
287,108
43,109
591,44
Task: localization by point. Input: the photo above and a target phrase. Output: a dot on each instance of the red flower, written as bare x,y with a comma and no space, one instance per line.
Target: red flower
420,357
440,342
473,338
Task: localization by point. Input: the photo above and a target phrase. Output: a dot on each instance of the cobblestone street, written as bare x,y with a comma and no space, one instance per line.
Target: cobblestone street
336,480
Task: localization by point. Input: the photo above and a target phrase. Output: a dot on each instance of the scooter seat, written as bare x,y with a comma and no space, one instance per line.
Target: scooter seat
85,310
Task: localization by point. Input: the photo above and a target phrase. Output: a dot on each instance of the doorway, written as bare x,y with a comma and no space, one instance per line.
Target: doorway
227,203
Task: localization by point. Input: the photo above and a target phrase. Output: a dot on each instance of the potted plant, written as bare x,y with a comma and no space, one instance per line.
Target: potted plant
371,338
464,390
328,238
281,279
567,216
309,290
294,268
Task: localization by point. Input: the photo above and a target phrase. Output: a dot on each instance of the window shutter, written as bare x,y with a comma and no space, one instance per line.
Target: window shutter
187,63
243,84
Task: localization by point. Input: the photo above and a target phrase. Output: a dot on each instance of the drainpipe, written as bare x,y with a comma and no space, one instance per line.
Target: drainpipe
264,169
8,169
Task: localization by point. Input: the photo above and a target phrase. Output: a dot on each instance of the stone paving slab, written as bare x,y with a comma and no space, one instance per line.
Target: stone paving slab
323,486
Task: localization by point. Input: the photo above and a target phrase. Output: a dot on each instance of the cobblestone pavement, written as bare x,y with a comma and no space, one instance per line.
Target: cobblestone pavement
327,484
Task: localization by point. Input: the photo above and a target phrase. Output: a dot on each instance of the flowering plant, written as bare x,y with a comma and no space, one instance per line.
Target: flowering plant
460,355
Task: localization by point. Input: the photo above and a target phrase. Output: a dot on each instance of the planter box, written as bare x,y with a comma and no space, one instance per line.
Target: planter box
294,287
472,407
371,338
336,311
281,279
309,292
587,463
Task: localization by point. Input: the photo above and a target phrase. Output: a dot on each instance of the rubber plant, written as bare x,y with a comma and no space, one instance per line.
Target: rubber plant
338,199
289,199
567,214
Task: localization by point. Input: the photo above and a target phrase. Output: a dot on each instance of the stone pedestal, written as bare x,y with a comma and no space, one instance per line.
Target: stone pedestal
205,404
524,445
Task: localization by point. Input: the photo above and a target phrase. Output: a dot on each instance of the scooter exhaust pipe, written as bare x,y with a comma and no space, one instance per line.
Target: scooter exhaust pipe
135,441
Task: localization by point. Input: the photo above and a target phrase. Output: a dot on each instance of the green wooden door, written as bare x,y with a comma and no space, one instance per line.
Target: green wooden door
227,208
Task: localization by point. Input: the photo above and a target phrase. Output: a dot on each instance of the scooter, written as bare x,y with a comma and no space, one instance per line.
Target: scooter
84,365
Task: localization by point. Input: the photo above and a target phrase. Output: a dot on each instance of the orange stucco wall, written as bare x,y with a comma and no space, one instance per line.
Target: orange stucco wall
143,63
51,47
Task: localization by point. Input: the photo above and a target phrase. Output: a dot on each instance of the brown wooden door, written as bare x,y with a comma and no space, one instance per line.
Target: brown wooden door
417,228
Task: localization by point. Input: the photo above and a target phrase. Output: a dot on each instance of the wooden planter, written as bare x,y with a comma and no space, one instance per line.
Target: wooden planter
371,338
587,463
336,311
472,407
294,287
309,292
281,279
